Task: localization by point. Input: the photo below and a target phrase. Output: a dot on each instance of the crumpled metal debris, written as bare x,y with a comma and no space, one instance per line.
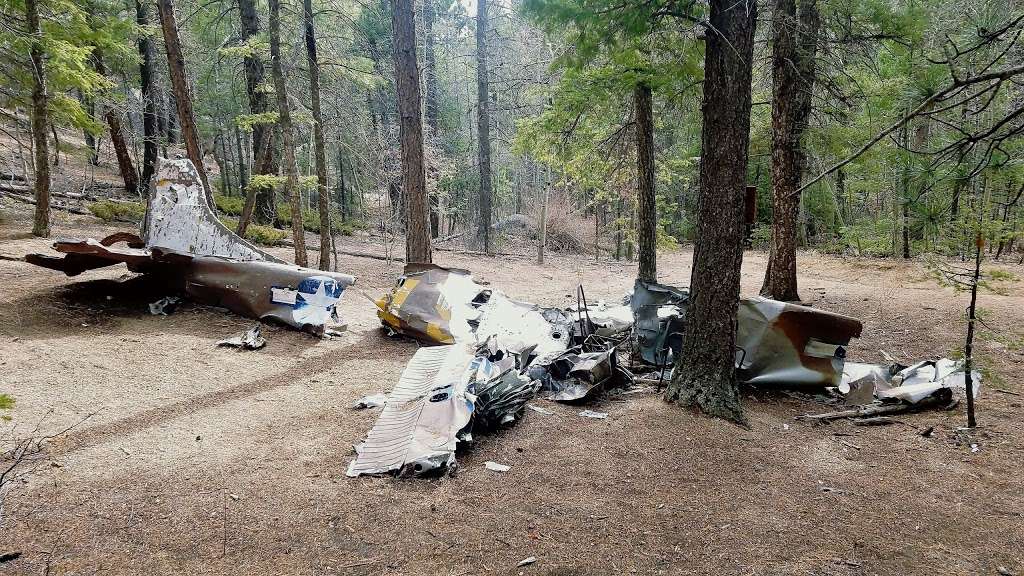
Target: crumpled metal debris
495,467
863,383
575,375
184,244
438,305
164,306
445,395
251,339
593,414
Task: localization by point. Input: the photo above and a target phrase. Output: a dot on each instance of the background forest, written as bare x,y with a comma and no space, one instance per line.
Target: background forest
882,97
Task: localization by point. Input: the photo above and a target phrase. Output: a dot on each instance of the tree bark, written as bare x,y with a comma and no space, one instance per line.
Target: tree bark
414,178
259,103
318,136
705,375
794,47
182,93
647,216
291,185
149,118
40,121
483,125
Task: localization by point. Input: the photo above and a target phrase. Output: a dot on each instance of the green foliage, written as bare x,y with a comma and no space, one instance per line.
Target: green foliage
114,211
6,405
248,121
256,233
231,205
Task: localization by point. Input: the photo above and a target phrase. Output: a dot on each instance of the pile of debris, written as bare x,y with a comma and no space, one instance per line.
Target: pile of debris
192,253
494,354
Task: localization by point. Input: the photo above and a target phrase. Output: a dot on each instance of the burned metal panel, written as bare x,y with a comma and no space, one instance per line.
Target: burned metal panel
299,297
781,343
659,311
777,343
89,254
179,219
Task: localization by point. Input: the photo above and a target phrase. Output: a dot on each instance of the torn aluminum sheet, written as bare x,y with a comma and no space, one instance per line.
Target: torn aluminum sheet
495,467
225,271
371,401
416,432
592,414
251,339
439,305
910,384
777,343
608,320
515,325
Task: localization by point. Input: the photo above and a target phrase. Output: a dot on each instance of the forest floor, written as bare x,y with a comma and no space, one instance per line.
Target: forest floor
186,458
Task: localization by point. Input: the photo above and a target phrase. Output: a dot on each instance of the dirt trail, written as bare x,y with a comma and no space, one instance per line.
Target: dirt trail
201,460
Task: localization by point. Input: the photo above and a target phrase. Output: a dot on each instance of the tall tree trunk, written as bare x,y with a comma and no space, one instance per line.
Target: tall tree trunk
291,186
342,199
243,173
124,159
318,137
182,93
647,216
430,66
414,177
40,121
430,102
483,125
705,375
259,103
149,118
794,47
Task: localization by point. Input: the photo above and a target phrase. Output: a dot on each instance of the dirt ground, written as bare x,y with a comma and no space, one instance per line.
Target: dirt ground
192,459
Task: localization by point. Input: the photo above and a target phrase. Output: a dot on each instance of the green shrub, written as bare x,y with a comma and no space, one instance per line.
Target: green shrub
257,234
231,205
110,211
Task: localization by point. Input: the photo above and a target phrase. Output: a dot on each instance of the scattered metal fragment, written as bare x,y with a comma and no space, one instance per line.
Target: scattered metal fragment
526,561
164,306
251,339
186,246
371,401
495,467
862,383
540,410
592,414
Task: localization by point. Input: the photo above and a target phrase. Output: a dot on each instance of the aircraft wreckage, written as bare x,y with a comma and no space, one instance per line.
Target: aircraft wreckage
487,354
490,355
192,253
